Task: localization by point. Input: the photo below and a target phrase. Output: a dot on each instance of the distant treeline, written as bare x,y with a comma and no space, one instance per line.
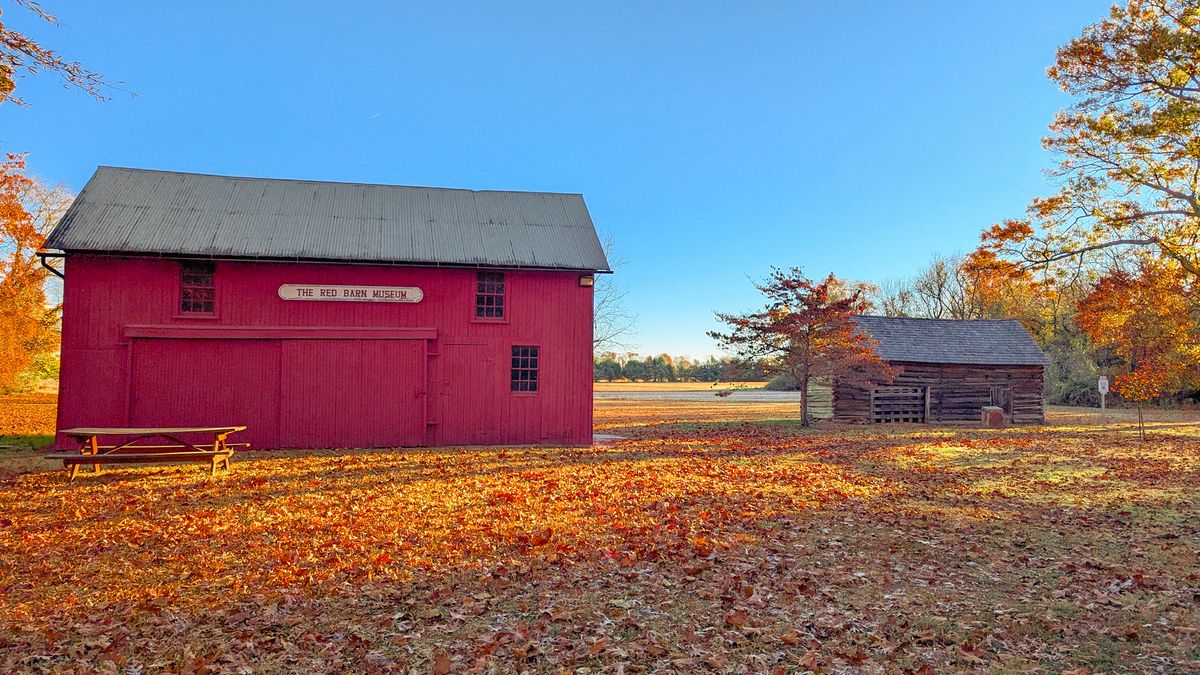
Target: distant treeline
665,368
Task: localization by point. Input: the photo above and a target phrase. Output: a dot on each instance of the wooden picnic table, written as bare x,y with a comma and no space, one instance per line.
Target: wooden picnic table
171,447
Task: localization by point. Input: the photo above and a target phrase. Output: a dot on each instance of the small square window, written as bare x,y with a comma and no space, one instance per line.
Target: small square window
489,295
524,368
197,289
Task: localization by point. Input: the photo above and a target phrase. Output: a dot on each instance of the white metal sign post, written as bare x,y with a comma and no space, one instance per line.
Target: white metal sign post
1102,385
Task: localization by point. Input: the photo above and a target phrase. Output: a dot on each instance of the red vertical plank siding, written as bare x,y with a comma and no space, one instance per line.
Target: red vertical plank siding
376,387
192,384
331,391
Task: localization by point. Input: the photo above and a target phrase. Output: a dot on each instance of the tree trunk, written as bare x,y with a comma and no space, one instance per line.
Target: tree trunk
803,400
1141,423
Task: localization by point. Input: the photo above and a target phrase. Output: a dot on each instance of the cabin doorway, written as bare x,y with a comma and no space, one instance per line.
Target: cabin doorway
1002,398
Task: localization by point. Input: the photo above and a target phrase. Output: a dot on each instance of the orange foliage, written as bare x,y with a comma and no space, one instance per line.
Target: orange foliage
1126,147
27,210
1151,319
27,415
1143,384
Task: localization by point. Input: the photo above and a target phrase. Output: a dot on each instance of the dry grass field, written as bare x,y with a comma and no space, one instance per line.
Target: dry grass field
26,422
675,386
715,536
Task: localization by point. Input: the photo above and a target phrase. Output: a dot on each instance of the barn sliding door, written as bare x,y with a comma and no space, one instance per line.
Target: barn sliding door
205,383
353,393
899,404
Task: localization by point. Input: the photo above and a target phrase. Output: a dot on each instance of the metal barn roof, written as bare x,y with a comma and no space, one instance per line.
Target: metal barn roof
139,211
996,342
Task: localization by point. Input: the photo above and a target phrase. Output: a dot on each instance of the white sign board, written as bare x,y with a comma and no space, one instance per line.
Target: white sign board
1102,385
322,292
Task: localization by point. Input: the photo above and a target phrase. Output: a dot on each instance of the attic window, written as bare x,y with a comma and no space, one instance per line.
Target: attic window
489,295
197,290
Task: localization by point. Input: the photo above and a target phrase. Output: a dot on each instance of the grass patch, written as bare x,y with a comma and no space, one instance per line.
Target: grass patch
24,444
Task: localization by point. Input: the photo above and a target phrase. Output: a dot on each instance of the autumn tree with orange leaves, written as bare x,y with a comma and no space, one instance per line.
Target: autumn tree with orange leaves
28,324
806,331
1140,386
28,208
1149,314
1124,223
1129,177
1150,319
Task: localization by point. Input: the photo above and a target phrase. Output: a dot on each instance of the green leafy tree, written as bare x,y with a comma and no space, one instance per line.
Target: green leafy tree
607,368
635,369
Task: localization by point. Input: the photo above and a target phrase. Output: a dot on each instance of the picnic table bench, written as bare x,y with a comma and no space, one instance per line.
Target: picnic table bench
170,447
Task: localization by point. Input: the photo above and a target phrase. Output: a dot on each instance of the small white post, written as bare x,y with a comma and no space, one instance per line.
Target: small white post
1102,386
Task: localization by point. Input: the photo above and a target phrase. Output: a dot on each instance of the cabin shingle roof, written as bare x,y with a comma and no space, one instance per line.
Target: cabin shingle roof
997,342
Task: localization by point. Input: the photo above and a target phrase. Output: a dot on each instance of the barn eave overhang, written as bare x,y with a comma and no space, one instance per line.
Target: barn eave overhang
62,253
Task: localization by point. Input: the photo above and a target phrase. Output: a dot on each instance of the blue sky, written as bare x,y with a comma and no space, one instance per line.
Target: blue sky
711,140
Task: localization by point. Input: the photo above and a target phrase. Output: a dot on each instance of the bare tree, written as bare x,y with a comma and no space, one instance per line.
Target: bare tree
934,289
943,290
613,325
19,54
894,297
946,291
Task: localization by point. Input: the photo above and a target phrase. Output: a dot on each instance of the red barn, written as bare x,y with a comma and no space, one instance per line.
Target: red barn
327,314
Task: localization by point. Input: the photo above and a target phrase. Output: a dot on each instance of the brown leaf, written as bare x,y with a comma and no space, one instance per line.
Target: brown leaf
441,663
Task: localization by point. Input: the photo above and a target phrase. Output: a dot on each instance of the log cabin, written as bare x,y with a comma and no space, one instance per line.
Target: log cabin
946,371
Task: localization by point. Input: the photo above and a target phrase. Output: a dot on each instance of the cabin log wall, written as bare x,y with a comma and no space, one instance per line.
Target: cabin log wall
956,392
820,399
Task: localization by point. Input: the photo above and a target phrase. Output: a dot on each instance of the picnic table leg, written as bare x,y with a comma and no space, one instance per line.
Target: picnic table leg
95,450
220,444
216,448
90,446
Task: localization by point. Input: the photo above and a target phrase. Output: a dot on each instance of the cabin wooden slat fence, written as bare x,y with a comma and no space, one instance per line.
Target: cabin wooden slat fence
820,399
898,404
